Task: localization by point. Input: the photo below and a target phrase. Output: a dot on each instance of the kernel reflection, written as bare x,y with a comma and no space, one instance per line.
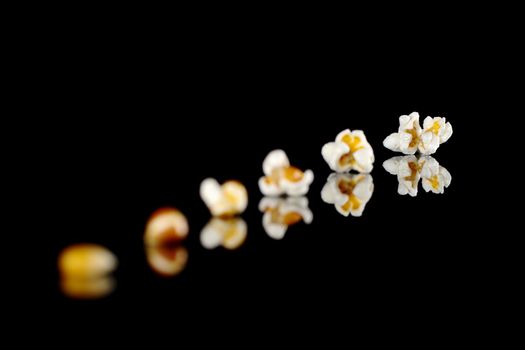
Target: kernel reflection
85,271
348,193
410,170
280,213
167,261
91,288
228,233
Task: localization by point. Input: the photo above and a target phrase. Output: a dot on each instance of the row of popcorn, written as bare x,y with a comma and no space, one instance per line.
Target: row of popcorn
86,268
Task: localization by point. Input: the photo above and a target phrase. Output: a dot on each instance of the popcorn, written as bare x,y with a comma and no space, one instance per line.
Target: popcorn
166,226
281,213
227,200
348,193
350,151
229,233
410,170
411,137
282,178
167,261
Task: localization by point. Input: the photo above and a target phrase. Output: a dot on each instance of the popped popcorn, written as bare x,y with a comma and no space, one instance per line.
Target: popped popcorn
411,138
282,178
350,151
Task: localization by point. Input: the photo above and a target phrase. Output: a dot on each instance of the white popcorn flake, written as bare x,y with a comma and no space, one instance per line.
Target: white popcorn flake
281,213
350,151
228,233
410,170
348,193
225,200
282,178
411,138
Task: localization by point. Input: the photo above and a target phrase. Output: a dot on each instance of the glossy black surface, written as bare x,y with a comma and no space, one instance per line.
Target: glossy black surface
127,147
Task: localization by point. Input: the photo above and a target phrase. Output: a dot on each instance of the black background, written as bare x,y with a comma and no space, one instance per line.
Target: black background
137,123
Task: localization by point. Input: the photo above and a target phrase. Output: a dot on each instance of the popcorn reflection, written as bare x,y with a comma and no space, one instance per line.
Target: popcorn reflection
348,193
85,271
280,213
229,233
165,230
410,170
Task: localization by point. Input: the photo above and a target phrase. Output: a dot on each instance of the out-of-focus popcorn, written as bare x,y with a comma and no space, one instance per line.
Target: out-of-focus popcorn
227,200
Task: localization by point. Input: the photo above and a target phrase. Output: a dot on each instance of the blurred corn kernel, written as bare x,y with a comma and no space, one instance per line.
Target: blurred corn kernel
85,271
87,288
86,261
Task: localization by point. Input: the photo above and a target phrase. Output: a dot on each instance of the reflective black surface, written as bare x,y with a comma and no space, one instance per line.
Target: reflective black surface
400,243
133,143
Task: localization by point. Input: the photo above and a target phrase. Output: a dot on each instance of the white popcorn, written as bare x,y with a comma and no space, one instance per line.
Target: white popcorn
411,138
350,151
281,213
230,199
348,193
282,178
229,233
410,170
